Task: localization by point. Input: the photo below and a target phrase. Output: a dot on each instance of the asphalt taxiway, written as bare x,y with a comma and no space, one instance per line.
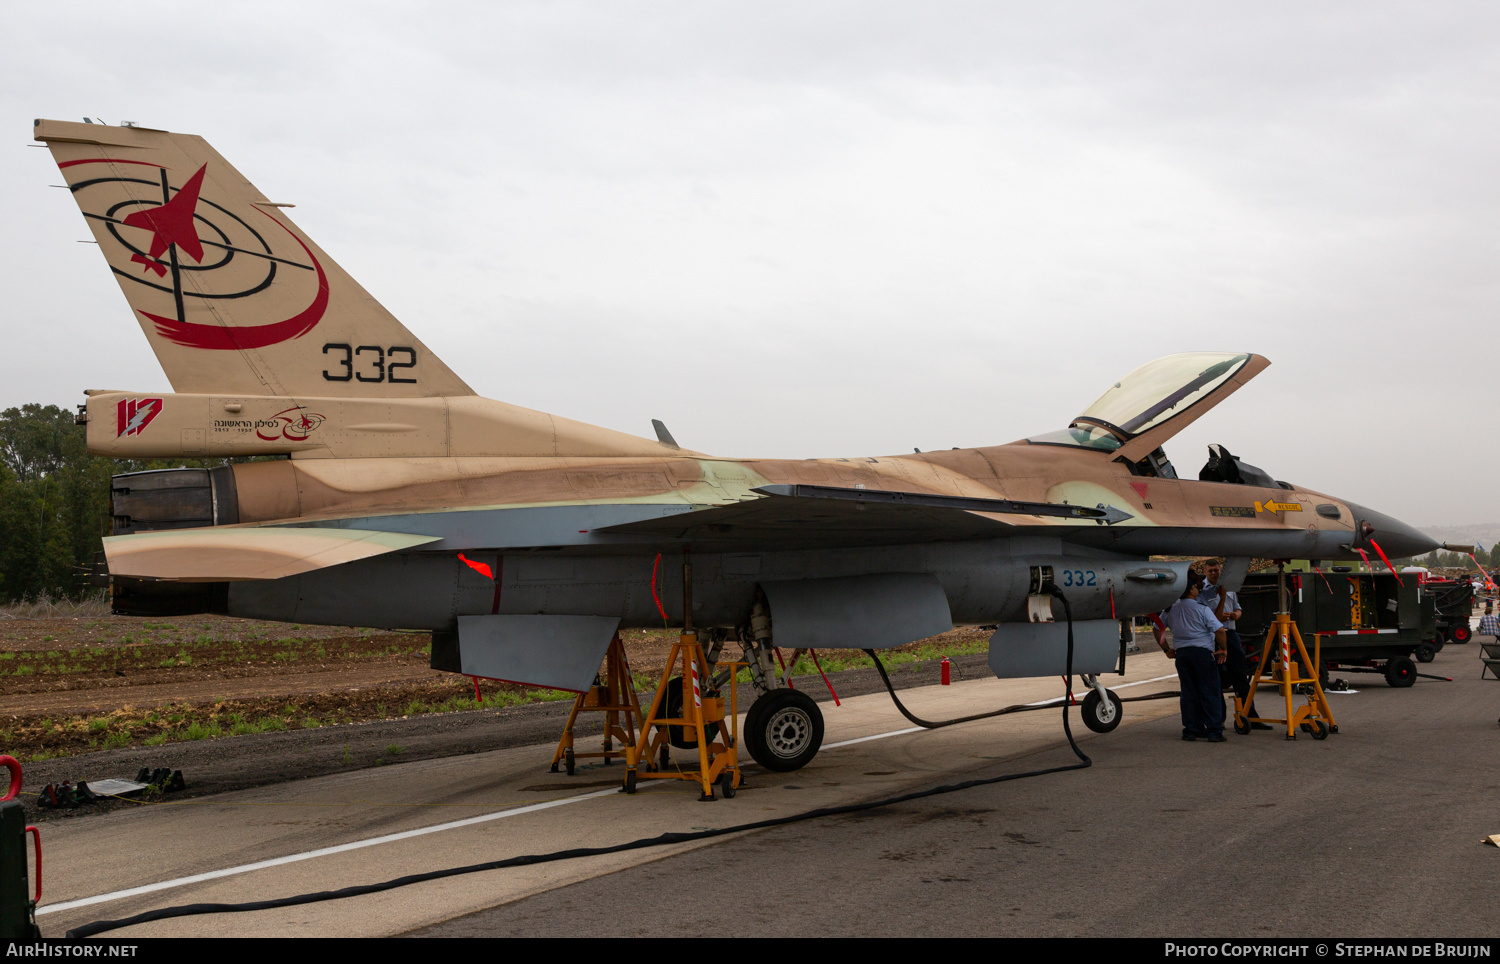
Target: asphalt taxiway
1375,831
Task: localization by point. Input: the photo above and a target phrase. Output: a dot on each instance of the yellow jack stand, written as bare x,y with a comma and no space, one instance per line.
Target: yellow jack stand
1286,673
718,756
616,699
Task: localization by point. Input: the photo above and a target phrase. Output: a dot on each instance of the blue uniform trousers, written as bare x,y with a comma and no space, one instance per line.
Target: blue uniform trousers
1202,699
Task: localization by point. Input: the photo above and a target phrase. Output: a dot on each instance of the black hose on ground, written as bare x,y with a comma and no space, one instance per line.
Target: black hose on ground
526,860
1017,707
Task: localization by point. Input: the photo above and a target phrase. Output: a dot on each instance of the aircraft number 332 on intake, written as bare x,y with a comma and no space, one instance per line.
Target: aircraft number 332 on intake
1079,577
370,363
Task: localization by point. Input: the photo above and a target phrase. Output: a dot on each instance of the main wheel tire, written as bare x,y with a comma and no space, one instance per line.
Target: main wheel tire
1099,715
1400,671
683,737
1460,634
1424,653
784,730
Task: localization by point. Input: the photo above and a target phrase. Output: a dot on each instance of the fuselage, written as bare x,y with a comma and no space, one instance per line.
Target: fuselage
559,555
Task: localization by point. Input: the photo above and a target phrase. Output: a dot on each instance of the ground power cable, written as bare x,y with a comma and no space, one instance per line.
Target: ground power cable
666,839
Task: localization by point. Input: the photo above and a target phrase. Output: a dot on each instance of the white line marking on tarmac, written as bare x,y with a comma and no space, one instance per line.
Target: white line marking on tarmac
919,729
321,852
422,831
877,736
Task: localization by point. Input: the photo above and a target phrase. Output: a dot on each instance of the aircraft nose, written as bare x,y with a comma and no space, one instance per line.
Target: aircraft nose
1396,538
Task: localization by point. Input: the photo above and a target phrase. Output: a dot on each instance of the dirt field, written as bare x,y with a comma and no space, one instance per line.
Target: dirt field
80,685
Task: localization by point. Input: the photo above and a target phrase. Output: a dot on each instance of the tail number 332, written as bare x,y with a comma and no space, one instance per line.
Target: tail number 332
370,363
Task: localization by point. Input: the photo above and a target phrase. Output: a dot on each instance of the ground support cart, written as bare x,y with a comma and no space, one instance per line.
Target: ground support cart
1366,621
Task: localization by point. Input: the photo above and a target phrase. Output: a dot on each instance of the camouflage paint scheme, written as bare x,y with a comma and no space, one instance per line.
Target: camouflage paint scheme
273,349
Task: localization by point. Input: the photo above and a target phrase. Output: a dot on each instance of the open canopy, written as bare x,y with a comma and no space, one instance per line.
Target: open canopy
1171,389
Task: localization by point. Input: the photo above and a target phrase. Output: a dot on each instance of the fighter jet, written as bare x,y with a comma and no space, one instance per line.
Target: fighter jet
524,541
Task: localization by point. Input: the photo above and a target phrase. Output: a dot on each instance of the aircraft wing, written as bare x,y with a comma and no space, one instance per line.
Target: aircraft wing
227,554
816,516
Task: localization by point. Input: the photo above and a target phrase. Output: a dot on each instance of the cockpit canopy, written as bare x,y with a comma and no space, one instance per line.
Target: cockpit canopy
1149,396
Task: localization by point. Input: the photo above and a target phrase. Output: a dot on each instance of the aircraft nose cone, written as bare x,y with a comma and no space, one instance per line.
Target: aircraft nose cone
1396,538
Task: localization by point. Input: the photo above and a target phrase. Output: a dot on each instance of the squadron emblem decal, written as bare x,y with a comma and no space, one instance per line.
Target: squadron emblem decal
198,249
132,415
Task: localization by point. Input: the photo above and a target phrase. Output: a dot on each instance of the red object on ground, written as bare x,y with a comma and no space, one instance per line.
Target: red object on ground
478,697
14,766
946,676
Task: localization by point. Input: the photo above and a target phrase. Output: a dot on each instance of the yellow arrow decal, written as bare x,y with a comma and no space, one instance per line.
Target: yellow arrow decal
1278,507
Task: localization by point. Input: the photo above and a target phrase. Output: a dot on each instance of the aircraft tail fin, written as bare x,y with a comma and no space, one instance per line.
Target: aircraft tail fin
232,296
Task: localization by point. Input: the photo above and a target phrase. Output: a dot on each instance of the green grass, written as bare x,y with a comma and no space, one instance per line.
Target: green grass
395,749
200,731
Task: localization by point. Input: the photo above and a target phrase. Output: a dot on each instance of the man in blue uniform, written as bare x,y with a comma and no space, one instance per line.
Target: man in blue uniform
1225,604
1198,646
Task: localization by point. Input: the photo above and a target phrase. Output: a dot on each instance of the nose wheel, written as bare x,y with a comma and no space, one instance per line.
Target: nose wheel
1102,713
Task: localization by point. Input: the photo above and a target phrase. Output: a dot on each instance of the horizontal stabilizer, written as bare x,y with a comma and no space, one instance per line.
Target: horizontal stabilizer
230,554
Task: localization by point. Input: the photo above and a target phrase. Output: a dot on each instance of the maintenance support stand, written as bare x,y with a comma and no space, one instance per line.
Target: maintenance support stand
702,720
1314,716
613,694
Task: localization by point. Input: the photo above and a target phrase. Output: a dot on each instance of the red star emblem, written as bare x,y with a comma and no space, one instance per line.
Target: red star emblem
171,223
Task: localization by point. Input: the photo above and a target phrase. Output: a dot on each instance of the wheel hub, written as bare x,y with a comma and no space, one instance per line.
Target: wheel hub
788,732
1106,711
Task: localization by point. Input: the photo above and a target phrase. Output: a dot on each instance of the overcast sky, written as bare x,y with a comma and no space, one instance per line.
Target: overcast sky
818,229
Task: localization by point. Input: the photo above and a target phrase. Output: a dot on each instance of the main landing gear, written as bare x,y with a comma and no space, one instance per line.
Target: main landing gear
784,730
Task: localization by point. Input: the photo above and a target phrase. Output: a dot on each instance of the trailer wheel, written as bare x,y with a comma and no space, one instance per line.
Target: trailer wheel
1460,634
1424,653
1400,671
1101,716
783,730
1241,726
1316,728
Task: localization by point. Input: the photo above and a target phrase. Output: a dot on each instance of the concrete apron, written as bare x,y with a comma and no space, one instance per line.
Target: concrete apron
166,842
